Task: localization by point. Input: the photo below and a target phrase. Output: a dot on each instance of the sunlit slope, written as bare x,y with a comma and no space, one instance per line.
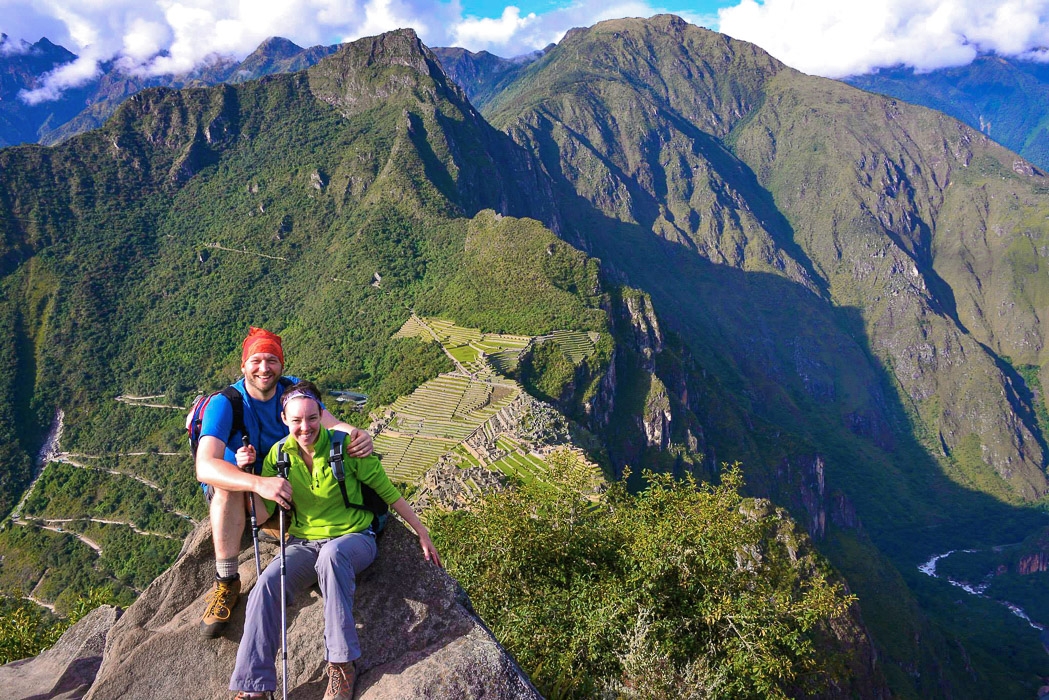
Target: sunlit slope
323,205
833,260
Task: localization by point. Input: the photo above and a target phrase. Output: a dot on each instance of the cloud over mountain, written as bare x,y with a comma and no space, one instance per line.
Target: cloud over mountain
825,37
836,39
173,36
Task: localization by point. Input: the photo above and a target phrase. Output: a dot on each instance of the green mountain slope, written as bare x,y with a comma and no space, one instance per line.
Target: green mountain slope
134,256
797,300
87,107
1004,98
795,234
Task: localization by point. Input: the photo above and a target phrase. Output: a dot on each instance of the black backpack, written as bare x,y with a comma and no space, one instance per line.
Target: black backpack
372,501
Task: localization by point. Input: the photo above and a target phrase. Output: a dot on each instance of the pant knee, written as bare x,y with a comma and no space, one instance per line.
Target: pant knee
330,560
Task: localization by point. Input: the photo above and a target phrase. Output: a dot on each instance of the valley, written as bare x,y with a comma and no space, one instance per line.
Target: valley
654,247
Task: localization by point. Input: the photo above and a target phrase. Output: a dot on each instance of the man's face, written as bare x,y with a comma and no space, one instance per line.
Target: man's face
261,372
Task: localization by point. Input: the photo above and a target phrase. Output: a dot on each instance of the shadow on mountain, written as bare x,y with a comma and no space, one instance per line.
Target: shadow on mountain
802,375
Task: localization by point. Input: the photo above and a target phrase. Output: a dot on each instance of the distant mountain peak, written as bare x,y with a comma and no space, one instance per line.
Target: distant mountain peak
369,70
278,47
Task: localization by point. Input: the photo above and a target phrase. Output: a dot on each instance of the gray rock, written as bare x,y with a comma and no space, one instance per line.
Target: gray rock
66,670
419,636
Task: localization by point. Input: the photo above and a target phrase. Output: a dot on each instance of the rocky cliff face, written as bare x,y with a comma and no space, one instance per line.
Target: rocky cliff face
1033,564
419,636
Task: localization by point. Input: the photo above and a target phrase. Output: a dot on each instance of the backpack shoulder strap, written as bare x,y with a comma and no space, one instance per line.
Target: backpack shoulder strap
335,461
236,401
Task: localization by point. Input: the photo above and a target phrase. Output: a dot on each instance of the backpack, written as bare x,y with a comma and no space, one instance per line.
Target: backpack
195,417
372,501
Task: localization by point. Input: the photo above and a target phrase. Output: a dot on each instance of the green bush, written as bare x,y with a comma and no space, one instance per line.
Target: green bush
26,629
681,590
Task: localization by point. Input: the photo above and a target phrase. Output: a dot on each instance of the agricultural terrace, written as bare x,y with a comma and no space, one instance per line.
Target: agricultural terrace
577,346
519,464
442,413
485,355
435,418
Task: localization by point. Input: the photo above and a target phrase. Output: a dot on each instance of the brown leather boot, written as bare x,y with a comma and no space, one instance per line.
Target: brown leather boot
341,678
223,596
269,531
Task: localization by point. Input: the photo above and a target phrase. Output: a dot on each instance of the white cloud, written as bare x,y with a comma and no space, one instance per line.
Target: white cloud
512,35
14,47
68,75
828,37
485,31
837,38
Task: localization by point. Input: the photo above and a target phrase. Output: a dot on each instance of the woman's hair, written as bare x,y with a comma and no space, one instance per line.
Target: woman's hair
301,390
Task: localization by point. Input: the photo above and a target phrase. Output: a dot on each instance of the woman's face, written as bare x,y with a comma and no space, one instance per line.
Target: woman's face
302,415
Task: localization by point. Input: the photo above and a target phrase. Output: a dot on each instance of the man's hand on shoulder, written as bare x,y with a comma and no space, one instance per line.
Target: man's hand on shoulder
360,443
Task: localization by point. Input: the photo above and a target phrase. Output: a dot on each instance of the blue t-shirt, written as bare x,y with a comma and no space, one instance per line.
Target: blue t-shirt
261,419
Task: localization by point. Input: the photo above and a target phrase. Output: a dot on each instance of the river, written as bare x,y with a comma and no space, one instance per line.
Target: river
929,569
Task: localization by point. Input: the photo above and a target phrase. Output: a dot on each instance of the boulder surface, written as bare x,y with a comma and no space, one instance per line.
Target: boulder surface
419,637
66,670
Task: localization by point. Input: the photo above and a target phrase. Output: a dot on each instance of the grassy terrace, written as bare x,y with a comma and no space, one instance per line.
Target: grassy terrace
505,361
576,345
413,329
467,345
523,466
451,335
433,419
468,460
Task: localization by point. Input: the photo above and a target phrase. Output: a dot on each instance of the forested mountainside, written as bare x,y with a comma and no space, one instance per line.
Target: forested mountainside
840,291
482,75
86,107
865,277
1002,97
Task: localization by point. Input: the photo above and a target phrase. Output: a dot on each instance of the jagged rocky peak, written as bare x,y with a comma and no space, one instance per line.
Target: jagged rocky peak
370,70
278,47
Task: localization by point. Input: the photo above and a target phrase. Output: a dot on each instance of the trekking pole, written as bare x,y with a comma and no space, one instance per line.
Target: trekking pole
282,470
254,521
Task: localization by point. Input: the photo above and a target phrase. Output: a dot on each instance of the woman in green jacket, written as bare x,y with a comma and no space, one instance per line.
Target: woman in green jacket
329,545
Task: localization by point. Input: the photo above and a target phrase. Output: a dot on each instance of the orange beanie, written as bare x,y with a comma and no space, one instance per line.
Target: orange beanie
260,340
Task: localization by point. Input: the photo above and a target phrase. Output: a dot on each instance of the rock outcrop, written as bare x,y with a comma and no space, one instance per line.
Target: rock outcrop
418,633
66,670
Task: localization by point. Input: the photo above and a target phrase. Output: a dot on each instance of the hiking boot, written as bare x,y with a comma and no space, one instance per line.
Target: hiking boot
341,678
220,601
269,531
246,695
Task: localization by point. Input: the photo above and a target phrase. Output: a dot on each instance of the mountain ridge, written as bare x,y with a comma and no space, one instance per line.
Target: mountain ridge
825,365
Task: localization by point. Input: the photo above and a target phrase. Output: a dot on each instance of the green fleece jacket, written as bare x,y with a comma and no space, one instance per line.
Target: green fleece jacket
318,510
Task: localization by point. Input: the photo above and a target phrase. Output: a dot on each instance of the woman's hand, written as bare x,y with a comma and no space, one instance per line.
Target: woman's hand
246,457
429,551
276,489
401,507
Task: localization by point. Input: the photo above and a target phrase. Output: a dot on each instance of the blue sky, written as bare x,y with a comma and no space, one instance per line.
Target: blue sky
833,38
494,8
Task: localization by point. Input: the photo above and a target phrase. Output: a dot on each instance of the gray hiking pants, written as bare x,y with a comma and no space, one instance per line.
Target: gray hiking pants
334,565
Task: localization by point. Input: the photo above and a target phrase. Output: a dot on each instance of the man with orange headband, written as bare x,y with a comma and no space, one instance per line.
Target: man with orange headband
262,362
